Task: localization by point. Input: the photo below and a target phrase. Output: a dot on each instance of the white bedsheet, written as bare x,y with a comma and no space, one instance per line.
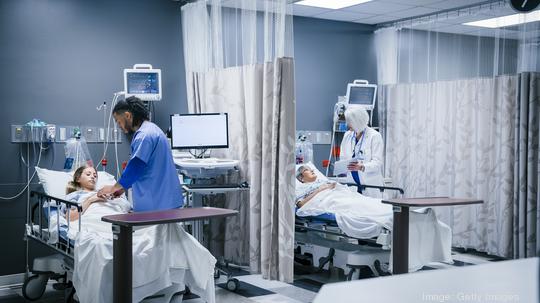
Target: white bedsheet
162,255
364,217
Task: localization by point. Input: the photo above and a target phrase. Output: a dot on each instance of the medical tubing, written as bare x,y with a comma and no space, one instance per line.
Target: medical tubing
22,157
108,128
116,153
27,174
335,120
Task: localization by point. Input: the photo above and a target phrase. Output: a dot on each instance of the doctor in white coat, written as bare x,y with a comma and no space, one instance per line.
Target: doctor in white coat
364,146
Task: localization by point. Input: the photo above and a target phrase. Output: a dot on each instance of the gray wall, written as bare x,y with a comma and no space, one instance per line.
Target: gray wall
328,55
60,59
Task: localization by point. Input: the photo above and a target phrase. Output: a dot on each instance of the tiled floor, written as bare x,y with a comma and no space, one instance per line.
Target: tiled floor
253,288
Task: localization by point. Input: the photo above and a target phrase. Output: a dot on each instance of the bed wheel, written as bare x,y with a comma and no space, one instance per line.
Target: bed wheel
232,284
34,287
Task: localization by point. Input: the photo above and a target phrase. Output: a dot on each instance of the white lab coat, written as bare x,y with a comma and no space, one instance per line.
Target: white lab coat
370,152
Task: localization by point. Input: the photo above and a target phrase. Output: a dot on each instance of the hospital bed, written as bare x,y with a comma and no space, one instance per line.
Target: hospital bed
60,266
323,245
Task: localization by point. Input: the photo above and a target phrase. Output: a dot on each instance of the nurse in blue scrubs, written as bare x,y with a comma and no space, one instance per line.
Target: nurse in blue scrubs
150,171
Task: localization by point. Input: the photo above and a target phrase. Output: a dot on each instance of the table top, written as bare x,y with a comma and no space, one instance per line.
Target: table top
169,216
431,201
505,281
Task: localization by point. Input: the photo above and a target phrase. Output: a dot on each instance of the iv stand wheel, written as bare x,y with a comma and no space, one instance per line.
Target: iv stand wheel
232,284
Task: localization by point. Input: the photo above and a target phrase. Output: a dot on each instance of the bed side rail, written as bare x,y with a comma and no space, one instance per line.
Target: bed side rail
39,226
58,200
382,189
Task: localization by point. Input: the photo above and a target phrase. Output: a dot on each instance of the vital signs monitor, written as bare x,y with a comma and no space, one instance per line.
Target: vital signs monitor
361,93
143,82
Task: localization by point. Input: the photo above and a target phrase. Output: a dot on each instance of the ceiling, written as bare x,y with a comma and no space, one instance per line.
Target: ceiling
377,12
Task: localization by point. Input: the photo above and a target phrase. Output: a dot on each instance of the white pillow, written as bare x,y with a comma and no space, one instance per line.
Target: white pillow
54,182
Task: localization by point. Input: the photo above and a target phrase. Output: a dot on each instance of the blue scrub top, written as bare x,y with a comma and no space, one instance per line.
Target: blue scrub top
158,187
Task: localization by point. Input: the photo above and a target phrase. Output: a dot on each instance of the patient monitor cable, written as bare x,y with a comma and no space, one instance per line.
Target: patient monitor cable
108,132
29,178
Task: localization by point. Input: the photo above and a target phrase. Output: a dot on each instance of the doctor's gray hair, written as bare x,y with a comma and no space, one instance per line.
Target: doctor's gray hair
136,107
357,117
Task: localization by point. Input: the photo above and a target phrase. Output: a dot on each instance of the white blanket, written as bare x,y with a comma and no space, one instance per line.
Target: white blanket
162,255
364,217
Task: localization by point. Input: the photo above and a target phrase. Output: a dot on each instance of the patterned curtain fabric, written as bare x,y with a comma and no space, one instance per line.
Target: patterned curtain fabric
260,102
458,110
238,57
471,138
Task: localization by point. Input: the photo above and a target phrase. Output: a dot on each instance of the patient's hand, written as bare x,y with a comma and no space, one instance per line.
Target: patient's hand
328,186
95,198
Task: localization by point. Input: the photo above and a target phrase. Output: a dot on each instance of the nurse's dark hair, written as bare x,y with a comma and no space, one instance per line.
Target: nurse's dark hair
136,107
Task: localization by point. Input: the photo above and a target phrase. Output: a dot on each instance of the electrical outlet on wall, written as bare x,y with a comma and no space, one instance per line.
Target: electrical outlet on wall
51,132
18,134
63,134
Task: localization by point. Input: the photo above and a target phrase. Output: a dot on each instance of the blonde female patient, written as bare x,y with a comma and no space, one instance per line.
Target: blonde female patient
160,253
82,190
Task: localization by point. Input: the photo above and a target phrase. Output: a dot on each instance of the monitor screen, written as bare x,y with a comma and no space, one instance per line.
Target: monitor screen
142,83
198,131
362,95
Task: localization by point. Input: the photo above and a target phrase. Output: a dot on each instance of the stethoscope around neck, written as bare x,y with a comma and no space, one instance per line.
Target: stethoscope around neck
354,142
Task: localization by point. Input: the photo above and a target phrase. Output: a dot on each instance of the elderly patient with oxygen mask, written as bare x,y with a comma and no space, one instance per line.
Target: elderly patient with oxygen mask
164,256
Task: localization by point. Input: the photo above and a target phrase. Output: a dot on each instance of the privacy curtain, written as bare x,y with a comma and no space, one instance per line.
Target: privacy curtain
526,213
243,66
459,114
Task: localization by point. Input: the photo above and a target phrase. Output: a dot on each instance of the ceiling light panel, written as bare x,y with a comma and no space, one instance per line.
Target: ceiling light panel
507,20
331,4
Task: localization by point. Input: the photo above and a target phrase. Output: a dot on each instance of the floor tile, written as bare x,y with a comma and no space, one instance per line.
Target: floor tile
275,298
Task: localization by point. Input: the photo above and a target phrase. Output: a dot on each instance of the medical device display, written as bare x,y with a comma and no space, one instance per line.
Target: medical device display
361,93
143,82
200,131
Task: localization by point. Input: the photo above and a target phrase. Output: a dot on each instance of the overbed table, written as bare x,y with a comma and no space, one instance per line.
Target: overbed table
400,230
122,239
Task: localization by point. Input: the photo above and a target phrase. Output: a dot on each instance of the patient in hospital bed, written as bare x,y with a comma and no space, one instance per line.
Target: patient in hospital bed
163,255
82,189
357,215
365,217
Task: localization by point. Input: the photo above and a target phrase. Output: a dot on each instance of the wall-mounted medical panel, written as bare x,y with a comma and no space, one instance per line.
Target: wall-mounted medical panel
51,133
316,137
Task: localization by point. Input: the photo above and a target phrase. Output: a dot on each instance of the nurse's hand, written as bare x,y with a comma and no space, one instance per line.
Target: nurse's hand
355,165
110,191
